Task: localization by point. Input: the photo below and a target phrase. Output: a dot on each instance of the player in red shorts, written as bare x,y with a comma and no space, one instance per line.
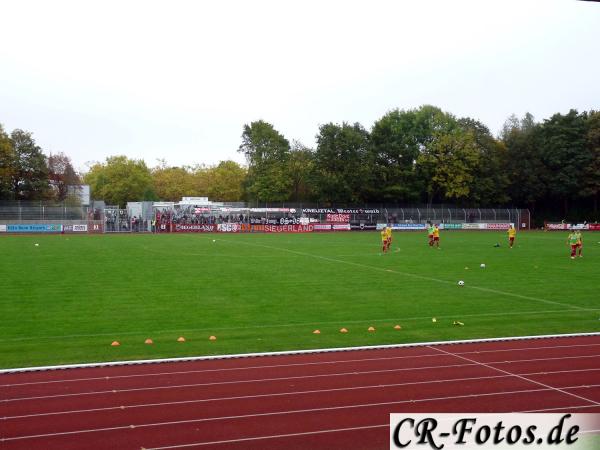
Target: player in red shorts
511,236
573,241
436,236
384,240
579,243
430,230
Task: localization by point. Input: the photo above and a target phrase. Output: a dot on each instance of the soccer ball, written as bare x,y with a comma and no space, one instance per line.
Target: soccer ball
482,265
214,240
461,283
37,245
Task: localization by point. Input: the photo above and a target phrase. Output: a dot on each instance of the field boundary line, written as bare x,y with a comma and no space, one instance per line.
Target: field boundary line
304,364
291,352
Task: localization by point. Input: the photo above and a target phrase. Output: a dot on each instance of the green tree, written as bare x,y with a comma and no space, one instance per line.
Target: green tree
591,173
491,181
267,153
30,171
8,160
342,164
395,145
563,139
172,183
300,167
227,182
524,165
449,162
119,180
61,175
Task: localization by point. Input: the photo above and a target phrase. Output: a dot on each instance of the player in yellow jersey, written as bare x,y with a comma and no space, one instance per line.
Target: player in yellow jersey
511,236
436,236
389,237
573,240
430,229
384,238
579,243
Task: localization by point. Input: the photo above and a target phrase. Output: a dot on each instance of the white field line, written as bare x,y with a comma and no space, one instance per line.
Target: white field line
271,436
298,324
283,412
299,377
488,365
297,352
283,394
410,275
303,364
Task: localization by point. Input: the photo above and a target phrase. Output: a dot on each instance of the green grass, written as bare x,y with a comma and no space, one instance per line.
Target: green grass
66,300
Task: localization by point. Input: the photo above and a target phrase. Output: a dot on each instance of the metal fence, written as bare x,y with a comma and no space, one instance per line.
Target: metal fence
138,216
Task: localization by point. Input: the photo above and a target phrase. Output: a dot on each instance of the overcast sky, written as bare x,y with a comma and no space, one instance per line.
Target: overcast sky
179,79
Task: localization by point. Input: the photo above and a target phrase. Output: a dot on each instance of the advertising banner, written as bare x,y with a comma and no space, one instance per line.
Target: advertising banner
451,226
322,227
340,227
473,226
338,218
289,228
2,228
498,226
229,228
339,211
194,228
75,228
363,227
592,227
34,228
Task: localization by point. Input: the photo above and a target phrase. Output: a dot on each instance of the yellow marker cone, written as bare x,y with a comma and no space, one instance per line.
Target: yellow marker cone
181,339
434,320
115,344
316,332
148,341
397,327
371,329
343,330
212,338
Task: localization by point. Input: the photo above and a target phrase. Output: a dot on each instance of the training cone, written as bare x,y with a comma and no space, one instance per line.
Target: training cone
317,332
434,320
343,330
371,329
148,341
212,338
397,327
115,344
181,339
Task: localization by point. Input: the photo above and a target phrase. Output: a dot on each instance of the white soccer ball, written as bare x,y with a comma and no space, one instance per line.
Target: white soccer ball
461,283
482,265
37,245
214,240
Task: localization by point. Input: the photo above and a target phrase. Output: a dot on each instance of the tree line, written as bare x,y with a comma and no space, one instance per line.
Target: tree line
421,155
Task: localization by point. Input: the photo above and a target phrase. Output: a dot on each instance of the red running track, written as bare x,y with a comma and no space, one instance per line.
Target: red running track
327,401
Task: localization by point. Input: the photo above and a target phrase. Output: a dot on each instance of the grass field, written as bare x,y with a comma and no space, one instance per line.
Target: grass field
67,299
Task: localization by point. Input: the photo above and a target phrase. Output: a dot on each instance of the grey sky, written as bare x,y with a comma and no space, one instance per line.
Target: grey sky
179,79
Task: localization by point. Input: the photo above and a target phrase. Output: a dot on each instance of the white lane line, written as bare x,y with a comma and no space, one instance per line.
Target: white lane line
188,359
279,394
413,275
297,324
271,366
464,358
273,436
284,412
300,377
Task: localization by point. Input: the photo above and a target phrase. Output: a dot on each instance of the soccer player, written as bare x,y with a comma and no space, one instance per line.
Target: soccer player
430,230
579,243
511,236
389,237
436,236
572,240
384,240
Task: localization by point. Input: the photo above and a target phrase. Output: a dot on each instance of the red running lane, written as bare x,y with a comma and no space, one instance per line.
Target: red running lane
317,401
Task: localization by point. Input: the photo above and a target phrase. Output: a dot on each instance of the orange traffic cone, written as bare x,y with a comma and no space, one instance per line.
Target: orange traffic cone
115,344
148,341
316,332
343,330
212,338
181,339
